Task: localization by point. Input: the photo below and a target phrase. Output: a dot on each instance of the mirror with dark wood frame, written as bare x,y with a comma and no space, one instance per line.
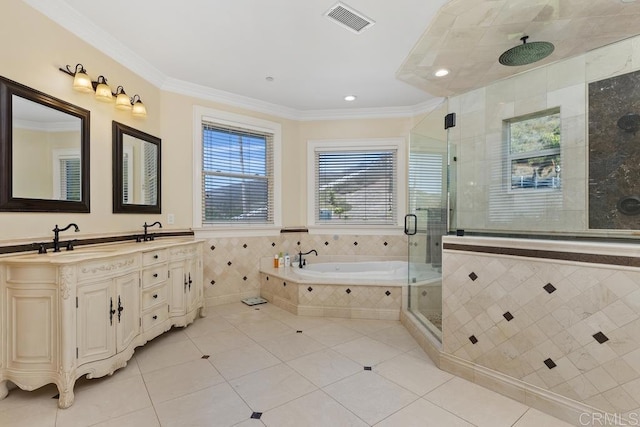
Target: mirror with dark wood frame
136,171
44,152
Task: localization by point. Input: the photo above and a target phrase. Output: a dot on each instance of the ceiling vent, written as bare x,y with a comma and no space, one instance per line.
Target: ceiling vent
348,18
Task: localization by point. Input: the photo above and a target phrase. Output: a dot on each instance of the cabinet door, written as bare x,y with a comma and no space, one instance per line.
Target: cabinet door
32,331
96,317
127,309
194,287
178,285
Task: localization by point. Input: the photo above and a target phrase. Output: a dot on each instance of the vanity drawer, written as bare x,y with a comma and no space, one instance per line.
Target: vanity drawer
155,317
154,257
154,296
154,276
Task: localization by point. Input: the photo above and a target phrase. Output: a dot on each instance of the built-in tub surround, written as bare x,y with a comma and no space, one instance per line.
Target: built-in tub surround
83,312
232,264
545,321
342,296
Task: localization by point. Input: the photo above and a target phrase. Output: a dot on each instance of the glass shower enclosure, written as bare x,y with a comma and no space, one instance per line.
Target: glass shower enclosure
427,218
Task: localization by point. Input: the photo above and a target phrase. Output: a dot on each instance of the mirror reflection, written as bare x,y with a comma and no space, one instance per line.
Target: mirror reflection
136,171
44,152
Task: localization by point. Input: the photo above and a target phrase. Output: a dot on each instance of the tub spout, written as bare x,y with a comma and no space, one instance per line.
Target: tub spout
300,254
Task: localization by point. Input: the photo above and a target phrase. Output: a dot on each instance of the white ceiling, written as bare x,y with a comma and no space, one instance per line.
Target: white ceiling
225,49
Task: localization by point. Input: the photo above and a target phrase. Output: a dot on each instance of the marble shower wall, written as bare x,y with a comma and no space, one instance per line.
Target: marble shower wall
231,264
483,202
568,327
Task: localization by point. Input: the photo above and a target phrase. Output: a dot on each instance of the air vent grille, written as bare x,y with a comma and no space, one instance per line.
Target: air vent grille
349,18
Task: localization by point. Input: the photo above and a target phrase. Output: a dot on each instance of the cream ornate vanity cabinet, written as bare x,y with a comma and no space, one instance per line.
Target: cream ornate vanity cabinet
84,312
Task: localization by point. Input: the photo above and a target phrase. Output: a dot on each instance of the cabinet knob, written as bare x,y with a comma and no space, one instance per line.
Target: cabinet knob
155,295
155,274
155,256
155,317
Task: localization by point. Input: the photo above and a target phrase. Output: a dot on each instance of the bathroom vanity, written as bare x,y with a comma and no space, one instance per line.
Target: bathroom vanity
83,312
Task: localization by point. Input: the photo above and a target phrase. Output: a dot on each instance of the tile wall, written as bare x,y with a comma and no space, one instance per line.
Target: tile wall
231,264
568,327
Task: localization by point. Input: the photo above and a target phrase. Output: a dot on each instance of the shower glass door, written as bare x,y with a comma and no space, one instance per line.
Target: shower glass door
427,218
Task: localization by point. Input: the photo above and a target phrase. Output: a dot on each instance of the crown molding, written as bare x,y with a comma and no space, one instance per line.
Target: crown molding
67,17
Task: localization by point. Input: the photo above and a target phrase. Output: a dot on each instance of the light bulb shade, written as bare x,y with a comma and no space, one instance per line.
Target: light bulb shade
82,82
123,102
103,93
139,110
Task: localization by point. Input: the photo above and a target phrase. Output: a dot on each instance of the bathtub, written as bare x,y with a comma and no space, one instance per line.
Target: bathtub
364,288
365,271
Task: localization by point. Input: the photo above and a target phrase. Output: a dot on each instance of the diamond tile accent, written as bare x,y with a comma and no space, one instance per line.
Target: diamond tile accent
309,288
213,248
387,293
473,276
386,244
298,332
256,415
205,356
326,243
550,363
245,246
355,243
348,291
508,316
424,293
600,337
213,282
473,339
229,263
273,245
367,368
549,288
244,278
284,284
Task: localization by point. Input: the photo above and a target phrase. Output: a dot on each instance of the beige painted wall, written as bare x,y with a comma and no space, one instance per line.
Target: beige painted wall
33,59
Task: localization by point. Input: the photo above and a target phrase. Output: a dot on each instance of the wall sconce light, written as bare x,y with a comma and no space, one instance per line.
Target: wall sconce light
83,83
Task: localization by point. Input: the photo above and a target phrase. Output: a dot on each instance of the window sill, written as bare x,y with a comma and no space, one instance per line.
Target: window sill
363,230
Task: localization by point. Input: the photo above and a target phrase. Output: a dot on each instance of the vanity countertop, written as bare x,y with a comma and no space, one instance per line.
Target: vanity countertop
96,251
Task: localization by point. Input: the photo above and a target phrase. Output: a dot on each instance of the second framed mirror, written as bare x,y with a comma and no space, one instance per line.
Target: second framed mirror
136,171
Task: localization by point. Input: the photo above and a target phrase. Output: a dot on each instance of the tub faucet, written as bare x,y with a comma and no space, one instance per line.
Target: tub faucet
300,261
146,237
56,235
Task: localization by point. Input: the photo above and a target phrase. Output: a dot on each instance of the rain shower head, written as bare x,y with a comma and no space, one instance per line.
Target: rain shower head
526,53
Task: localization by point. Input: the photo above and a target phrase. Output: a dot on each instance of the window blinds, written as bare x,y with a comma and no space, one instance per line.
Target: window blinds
70,179
356,187
237,175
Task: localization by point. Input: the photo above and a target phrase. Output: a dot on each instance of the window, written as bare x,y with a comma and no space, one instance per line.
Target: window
355,183
67,174
534,150
238,173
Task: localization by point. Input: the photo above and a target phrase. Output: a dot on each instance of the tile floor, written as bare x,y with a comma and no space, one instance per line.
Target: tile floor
262,366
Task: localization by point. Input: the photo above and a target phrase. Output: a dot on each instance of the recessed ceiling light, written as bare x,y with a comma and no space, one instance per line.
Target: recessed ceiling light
350,98
441,72
269,78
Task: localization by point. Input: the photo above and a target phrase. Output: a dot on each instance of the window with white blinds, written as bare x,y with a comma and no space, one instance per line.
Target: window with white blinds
67,174
237,175
356,186
150,187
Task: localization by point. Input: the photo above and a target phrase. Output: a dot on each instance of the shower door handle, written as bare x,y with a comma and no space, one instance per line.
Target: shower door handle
407,230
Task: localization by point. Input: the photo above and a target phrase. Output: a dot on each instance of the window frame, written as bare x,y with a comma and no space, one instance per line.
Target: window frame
530,154
224,118
374,144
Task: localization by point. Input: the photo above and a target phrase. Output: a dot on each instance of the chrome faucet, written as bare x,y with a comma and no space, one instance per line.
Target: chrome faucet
147,237
301,263
56,235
